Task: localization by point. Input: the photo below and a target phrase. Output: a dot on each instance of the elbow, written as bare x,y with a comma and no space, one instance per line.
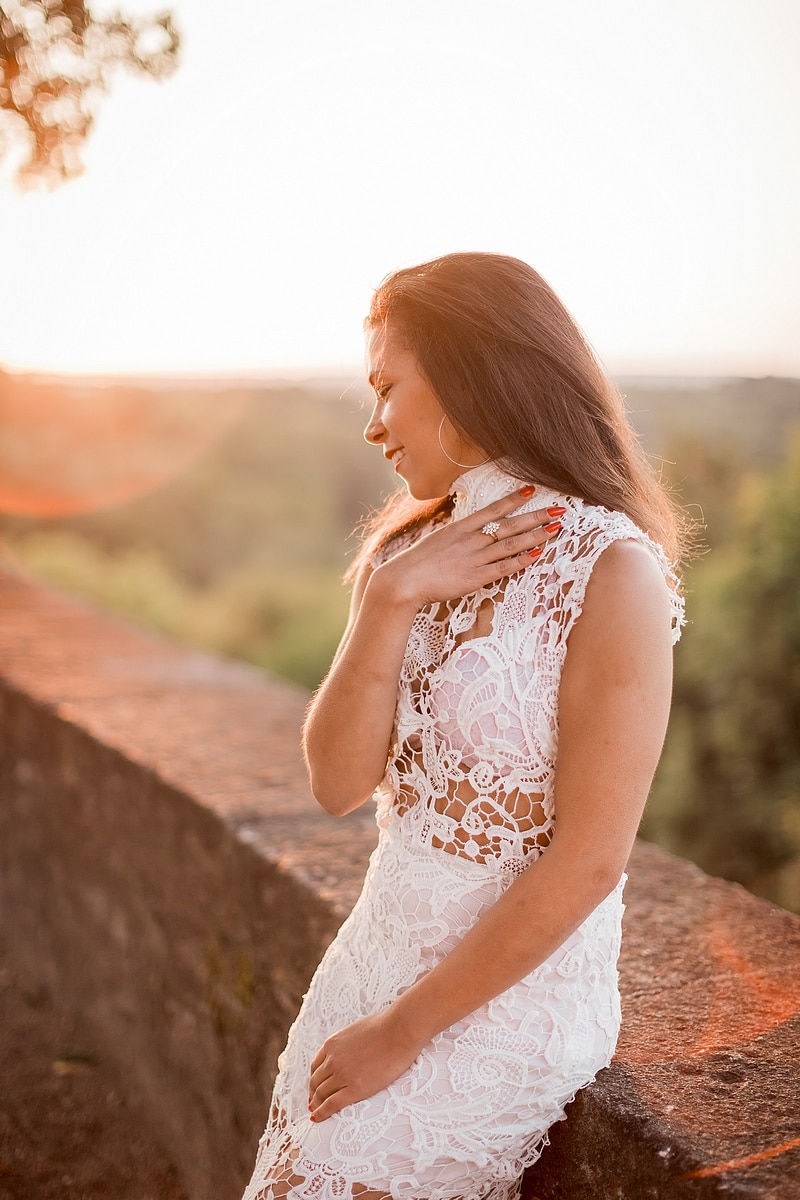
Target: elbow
339,784
601,879
335,800
592,876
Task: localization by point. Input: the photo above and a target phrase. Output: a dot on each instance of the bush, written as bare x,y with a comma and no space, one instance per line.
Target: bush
728,790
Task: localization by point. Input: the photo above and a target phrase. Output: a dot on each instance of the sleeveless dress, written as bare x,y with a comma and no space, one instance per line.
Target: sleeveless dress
466,805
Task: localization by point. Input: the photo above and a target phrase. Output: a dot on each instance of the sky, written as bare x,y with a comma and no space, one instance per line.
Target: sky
643,155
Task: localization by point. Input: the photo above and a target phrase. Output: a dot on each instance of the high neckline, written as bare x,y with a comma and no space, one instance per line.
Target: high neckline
490,481
481,485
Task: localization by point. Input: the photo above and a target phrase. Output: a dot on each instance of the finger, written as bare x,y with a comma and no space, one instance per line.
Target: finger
318,1078
320,1066
522,522
501,508
319,1058
518,562
320,1086
514,563
500,512
329,1087
332,1105
503,548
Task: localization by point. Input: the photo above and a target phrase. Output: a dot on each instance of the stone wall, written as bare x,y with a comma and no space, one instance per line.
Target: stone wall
165,873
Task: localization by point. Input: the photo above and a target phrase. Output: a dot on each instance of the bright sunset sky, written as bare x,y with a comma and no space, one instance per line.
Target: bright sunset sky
644,155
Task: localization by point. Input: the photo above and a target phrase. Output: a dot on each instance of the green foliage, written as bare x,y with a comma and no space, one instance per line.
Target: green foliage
733,418
707,475
286,621
135,583
243,553
728,790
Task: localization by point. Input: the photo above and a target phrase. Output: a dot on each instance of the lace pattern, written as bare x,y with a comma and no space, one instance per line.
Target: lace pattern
471,771
467,804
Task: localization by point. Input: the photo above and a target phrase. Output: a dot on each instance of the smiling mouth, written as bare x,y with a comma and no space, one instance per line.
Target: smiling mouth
396,457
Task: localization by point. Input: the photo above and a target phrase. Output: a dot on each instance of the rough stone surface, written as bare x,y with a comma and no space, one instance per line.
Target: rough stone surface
703,1096
163,868
66,1128
166,873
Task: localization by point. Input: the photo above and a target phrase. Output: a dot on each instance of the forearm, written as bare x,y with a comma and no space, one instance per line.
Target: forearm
349,722
535,916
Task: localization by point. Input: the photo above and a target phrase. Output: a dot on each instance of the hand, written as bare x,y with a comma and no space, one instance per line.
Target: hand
357,1062
456,559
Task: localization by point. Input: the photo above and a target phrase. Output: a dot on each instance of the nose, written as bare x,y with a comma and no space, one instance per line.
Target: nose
375,430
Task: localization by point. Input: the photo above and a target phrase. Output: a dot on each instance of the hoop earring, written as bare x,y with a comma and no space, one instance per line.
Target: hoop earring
448,457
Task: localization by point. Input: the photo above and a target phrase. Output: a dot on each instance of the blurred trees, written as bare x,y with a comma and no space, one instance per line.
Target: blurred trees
56,60
242,553
728,789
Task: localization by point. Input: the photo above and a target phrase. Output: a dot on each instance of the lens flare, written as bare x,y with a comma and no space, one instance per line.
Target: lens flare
68,448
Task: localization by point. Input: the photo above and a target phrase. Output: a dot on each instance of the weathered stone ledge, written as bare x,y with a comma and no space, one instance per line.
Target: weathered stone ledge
166,874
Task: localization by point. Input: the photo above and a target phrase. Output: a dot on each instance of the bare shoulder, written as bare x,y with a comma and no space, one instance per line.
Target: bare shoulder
627,570
627,600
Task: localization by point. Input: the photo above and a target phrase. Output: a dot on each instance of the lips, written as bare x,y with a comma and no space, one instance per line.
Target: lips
396,456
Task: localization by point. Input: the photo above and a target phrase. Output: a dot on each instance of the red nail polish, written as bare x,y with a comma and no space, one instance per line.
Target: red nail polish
553,527
557,510
527,491
537,550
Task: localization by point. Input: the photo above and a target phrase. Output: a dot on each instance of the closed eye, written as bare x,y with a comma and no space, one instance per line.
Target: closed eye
377,381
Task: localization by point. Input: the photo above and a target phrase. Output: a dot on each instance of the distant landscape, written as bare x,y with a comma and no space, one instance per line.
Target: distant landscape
242,548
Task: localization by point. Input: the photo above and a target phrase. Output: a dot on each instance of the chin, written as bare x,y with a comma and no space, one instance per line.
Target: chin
430,487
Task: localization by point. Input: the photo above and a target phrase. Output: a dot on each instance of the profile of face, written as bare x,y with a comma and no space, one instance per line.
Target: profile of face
409,423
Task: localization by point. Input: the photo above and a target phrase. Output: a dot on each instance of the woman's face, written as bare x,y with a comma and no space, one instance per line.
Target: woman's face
406,419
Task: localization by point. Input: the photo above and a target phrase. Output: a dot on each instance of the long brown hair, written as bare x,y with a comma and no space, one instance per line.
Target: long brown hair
515,375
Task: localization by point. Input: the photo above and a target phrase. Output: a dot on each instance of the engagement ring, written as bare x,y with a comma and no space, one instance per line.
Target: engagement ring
491,527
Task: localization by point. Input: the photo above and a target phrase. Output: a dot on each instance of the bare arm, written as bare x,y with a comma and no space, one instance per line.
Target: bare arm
613,708
349,722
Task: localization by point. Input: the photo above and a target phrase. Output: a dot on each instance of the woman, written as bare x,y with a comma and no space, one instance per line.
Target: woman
473,989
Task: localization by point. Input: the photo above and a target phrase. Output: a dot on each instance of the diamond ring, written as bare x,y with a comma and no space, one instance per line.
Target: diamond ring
491,528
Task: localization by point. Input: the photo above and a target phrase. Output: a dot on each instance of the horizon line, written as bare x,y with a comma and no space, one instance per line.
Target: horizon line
341,374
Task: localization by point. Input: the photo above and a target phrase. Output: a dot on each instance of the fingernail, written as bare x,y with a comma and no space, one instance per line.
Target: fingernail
537,550
526,491
553,527
557,510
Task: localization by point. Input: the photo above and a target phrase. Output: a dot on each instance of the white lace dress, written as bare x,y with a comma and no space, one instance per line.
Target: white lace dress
466,805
